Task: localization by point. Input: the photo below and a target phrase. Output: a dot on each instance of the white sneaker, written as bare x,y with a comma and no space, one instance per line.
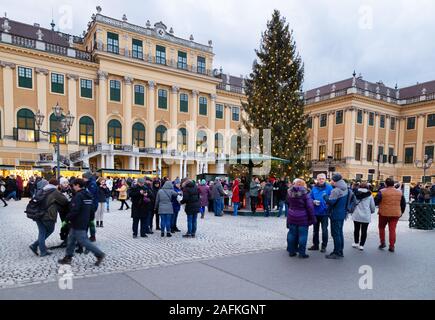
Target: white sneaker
361,248
355,245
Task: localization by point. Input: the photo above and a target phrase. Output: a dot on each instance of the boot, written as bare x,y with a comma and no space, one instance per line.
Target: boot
99,260
98,224
65,260
101,224
93,239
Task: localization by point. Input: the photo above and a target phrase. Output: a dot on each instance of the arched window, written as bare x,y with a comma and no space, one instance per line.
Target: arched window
114,134
25,119
218,143
56,124
139,135
182,140
236,145
86,128
161,138
201,142
25,126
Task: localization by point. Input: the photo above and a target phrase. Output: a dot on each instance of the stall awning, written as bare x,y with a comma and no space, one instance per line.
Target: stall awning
245,157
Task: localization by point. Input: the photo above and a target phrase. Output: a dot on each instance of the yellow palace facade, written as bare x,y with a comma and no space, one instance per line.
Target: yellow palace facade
143,99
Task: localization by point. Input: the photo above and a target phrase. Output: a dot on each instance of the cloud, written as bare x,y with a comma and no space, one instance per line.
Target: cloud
387,40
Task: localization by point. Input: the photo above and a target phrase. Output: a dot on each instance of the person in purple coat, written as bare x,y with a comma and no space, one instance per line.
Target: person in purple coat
204,192
300,217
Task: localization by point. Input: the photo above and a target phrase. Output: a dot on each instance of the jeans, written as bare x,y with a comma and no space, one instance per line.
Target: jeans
297,239
359,226
282,205
254,201
174,220
165,222
392,224
321,221
236,208
266,203
12,194
218,207
81,237
99,215
191,223
45,229
202,211
433,200
107,203
337,236
143,226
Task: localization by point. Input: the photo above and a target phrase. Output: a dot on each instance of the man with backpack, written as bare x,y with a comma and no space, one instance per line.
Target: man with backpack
338,203
46,204
81,207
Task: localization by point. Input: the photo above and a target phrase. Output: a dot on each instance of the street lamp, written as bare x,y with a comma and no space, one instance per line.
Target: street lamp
425,164
62,130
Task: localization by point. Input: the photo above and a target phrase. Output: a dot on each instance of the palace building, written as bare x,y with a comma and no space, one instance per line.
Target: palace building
143,99
352,122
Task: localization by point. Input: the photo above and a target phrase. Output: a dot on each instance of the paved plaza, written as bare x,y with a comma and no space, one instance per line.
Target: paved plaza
231,258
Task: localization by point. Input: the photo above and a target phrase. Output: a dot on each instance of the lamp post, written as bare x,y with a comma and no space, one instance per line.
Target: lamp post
425,164
65,123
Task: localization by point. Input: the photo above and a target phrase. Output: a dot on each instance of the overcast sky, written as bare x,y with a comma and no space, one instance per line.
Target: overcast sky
388,40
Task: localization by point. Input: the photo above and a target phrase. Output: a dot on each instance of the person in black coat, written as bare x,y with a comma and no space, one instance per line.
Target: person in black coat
156,188
192,201
79,215
141,207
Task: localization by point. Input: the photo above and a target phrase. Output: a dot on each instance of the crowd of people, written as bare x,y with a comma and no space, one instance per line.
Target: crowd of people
82,202
333,202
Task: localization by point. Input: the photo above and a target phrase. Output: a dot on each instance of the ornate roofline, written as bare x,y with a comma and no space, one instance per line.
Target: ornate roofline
151,32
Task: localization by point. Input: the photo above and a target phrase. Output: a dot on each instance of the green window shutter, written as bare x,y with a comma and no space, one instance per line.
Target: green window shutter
86,88
202,106
139,99
115,90
25,77
219,111
184,103
163,99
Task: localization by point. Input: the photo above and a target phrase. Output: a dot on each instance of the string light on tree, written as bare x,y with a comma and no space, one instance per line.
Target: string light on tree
273,95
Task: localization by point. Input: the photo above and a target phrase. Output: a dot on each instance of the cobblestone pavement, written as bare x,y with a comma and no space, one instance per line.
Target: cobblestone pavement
216,237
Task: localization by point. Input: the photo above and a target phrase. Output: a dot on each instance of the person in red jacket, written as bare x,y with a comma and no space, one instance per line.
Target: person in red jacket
236,196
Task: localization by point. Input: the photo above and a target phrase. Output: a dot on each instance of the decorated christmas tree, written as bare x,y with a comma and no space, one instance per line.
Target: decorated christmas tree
274,95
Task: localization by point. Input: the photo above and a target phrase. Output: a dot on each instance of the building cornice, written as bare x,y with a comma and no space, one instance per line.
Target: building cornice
156,33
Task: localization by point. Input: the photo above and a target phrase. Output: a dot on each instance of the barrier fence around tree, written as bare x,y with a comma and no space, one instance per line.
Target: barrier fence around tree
422,216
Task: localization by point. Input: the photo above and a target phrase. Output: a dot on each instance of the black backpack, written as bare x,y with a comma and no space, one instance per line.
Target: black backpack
37,208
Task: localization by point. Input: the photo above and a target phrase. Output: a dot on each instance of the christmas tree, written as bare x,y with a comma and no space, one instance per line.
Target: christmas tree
275,100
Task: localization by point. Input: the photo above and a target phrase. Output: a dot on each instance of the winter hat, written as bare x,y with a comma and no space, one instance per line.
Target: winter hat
337,177
141,180
41,184
63,181
87,175
177,181
203,182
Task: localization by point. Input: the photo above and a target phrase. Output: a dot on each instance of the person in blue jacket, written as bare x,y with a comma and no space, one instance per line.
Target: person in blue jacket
321,212
337,210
